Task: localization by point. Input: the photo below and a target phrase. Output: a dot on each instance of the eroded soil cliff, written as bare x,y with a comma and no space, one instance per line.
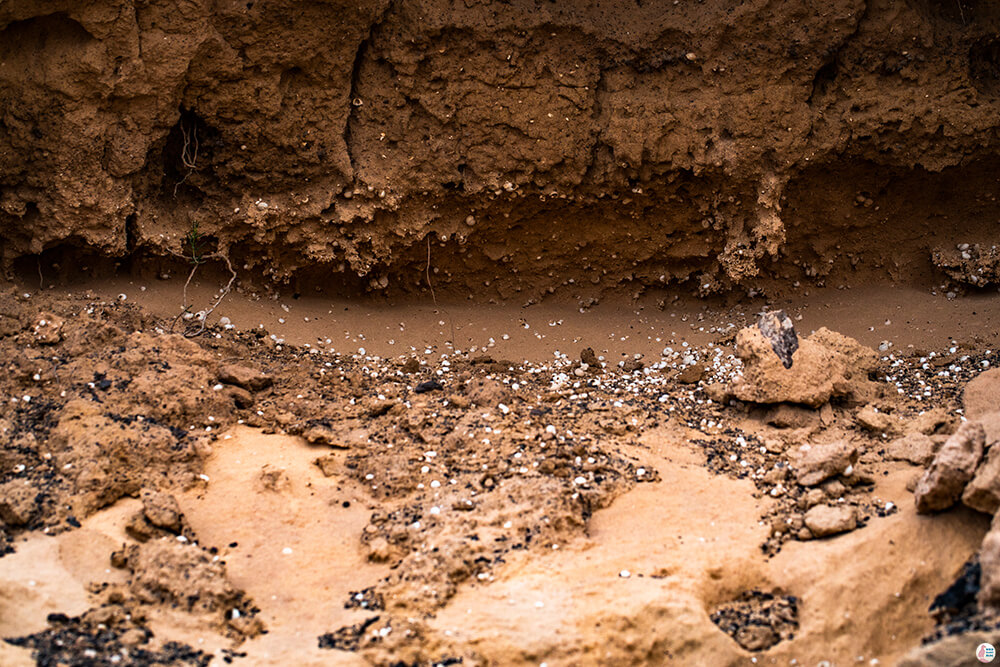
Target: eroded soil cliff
522,146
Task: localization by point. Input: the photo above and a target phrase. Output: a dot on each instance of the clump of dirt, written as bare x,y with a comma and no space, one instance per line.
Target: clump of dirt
974,265
349,637
98,409
179,574
758,620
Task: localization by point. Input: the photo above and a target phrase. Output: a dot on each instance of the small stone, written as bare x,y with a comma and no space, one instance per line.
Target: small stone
430,385
812,498
411,366
633,365
870,419
692,374
161,510
777,327
822,462
954,465
915,448
824,520
588,357
983,492
245,377
17,502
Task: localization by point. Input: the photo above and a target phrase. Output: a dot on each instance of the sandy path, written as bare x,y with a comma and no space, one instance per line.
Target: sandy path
298,552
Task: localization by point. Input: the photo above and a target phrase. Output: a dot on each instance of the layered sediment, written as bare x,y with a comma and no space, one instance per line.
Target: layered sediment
524,145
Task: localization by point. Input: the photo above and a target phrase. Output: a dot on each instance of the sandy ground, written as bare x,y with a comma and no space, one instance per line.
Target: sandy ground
906,316
631,576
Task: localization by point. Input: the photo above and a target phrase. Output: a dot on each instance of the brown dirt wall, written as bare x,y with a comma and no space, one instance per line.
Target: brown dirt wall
534,143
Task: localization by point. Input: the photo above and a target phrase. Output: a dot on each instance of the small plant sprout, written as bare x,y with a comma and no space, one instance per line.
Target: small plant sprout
193,251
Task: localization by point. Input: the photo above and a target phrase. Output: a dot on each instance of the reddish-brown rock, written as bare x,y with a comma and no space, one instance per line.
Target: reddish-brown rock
954,465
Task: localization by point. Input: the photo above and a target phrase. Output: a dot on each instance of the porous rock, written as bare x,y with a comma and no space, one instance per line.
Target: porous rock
48,329
953,466
17,502
821,462
823,520
826,365
161,509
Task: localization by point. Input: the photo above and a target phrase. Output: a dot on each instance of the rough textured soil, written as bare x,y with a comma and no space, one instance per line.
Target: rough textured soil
525,146
491,384
232,498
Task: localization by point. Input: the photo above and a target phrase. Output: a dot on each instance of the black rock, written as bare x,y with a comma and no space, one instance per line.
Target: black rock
430,385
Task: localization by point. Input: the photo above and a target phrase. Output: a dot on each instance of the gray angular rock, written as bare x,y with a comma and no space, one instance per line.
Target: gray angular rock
954,465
